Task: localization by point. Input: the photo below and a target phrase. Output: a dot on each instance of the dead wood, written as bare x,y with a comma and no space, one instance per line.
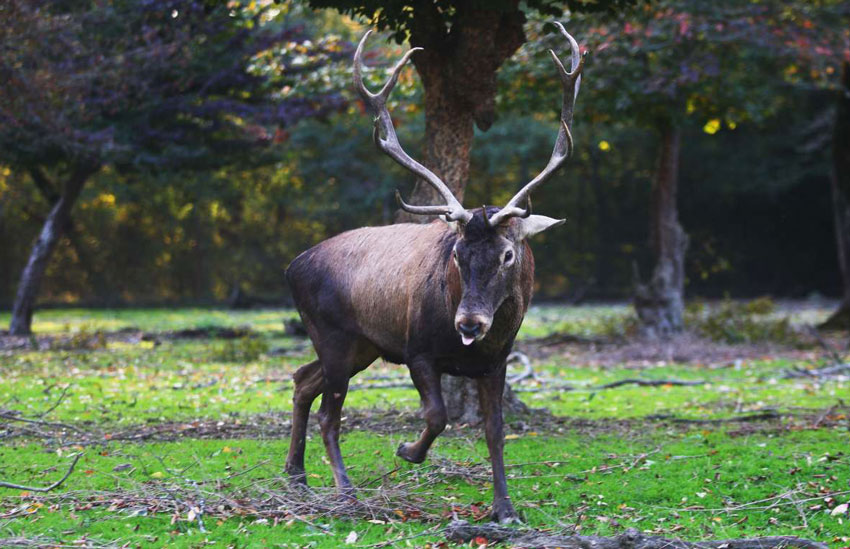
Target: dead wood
650,383
462,531
9,416
204,332
825,372
562,338
762,415
53,486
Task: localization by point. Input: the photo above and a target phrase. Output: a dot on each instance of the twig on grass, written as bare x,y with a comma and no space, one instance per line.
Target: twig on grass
12,417
394,541
55,404
53,486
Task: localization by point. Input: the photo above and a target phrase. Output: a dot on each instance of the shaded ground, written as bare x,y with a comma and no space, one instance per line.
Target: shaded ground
685,348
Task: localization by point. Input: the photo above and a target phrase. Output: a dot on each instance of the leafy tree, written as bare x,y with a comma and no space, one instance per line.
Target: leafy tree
465,44
668,66
813,40
132,85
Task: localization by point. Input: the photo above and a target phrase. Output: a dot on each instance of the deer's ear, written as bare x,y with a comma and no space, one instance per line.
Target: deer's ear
534,224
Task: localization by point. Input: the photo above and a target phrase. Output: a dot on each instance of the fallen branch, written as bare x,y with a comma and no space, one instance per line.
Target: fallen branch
757,416
561,338
650,383
827,371
47,488
13,417
462,531
41,541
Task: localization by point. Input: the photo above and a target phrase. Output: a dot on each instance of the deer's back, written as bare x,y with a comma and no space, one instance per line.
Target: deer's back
365,281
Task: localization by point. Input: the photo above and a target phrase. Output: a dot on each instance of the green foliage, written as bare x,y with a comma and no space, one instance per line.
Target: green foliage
130,85
742,322
138,237
398,16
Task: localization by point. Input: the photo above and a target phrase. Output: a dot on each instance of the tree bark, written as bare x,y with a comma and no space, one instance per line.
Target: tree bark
458,69
660,303
54,227
840,183
448,141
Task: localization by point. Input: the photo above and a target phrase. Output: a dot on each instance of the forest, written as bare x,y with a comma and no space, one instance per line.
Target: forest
680,376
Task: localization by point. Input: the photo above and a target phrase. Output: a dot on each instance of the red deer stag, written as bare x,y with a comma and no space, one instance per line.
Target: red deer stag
443,298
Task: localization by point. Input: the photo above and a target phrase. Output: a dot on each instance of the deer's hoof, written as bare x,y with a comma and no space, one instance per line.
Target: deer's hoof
404,452
504,513
297,478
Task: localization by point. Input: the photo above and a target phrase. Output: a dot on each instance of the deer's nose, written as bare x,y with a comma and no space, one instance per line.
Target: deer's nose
469,328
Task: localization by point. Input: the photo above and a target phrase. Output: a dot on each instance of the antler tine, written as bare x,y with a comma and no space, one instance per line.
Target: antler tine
422,210
571,82
386,139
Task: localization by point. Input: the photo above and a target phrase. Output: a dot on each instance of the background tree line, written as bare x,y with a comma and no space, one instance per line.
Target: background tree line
189,214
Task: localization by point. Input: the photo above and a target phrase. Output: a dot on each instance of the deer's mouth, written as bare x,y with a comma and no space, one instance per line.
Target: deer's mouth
471,328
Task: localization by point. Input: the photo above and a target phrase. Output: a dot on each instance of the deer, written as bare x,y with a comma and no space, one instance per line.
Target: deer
447,297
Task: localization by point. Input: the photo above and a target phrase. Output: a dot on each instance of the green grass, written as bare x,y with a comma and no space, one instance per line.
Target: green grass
605,470
53,321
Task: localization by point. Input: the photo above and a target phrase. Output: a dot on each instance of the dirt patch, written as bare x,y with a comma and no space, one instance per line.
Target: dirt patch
638,353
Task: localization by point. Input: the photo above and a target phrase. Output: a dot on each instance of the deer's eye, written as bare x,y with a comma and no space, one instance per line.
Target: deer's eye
509,256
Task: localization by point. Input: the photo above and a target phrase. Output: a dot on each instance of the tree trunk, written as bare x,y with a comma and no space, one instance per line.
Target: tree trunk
660,303
448,141
840,183
54,226
458,69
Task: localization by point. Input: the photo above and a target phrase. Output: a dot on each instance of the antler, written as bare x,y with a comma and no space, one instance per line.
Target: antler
387,140
564,144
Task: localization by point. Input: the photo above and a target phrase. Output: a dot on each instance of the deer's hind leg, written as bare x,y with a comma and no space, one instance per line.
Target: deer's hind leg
309,383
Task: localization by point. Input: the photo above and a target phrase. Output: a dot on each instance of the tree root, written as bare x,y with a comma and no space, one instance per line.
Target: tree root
462,531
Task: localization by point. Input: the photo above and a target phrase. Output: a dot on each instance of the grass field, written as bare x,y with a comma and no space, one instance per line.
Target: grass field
184,439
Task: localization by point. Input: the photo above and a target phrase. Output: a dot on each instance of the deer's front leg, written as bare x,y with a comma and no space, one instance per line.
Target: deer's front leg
490,391
427,382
